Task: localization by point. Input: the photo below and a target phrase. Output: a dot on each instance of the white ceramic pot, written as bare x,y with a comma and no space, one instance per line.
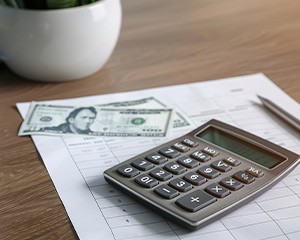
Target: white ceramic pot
62,44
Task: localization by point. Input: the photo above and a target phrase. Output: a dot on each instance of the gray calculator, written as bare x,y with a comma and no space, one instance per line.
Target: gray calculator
203,175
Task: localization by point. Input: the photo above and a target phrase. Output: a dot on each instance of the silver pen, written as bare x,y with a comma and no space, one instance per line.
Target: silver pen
280,112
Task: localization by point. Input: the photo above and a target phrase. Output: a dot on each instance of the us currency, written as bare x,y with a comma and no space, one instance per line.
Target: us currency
51,119
180,120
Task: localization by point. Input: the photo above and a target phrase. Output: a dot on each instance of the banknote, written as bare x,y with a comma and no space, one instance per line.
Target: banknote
51,119
180,120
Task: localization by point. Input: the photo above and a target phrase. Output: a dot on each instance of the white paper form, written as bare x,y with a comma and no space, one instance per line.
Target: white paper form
99,211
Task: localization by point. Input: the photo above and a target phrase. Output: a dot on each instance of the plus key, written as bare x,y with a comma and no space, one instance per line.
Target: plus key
196,200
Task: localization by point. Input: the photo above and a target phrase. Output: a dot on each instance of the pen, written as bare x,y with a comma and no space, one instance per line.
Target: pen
280,112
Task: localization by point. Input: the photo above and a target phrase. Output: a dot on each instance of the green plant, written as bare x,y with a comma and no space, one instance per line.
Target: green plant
45,4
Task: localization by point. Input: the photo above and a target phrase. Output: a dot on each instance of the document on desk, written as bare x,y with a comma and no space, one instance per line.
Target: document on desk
99,211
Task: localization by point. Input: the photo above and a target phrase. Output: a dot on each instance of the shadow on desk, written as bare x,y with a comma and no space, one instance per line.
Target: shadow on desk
8,78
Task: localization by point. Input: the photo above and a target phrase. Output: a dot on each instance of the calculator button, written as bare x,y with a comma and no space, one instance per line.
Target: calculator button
180,185
190,143
194,178
221,166
146,181
166,191
243,177
180,147
200,156
169,152
208,172
156,158
217,190
128,171
160,174
231,184
188,162
174,168
232,161
255,172
195,201
142,164
210,151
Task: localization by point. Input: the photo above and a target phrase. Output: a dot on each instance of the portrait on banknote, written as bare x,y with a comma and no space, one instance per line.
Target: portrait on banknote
78,121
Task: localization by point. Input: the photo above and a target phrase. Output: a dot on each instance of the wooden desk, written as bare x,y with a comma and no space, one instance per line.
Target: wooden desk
162,43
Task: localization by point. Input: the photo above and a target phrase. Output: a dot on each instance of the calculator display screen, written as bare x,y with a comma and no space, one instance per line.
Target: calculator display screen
241,147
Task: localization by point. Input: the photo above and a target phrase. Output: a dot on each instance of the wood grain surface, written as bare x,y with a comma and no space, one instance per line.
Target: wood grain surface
161,43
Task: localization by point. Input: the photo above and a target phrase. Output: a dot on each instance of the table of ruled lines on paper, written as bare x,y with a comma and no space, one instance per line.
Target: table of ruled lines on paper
272,210
274,215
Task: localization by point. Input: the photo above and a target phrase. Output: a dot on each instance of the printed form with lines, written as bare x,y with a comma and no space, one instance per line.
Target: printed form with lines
99,211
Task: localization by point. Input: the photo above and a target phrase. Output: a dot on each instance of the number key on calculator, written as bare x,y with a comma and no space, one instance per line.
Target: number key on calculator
203,175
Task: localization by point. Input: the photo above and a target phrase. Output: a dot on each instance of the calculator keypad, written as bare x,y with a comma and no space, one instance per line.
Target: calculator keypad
193,180
180,170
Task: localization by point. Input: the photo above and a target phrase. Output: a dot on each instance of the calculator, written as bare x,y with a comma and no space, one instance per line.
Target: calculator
199,177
